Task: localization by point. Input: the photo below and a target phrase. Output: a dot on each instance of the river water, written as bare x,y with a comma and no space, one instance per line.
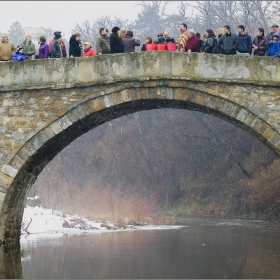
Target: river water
202,248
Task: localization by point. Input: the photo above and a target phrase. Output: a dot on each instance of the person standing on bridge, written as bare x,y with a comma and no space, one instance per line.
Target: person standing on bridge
43,51
7,48
88,51
129,42
116,43
211,43
274,45
193,42
28,46
57,51
227,42
101,42
260,43
74,47
244,41
274,28
62,44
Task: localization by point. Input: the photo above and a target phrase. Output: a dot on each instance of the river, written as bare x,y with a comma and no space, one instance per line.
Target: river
202,248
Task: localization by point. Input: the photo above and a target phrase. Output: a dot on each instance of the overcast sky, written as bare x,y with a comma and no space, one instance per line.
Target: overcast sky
63,15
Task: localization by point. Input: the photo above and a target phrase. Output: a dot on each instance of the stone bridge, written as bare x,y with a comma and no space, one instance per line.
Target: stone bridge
46,104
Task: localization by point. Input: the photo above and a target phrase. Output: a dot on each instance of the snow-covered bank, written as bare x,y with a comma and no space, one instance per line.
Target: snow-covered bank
40,220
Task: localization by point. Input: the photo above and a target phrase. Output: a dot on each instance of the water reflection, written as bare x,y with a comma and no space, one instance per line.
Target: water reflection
10,262
203,249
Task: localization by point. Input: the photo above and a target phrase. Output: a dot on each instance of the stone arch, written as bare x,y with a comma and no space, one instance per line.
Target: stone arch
26,161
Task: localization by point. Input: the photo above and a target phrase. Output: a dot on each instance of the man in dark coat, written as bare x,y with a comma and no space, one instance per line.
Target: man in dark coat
274,28
228,42
56,48
244,41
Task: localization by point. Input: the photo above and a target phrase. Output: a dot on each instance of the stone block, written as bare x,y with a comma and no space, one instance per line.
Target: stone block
98,104
22,122
5,74
70,70
134,94
53,71
256,124
101,68
56,127
180,93
33,71
117,98
79,112
85,70
125,94
65,122
17,73
108,100
200,98
269,133
9,170
243,115
16,162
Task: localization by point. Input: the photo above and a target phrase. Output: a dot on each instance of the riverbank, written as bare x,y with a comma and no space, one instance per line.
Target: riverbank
38,220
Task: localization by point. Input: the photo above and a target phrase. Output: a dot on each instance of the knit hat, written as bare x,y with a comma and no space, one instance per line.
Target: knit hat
129,33
87,43
276,34
115,29
56,32
160,34
19,48
197,34
57,36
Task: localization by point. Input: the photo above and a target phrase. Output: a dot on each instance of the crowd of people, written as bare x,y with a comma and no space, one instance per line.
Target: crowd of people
122,41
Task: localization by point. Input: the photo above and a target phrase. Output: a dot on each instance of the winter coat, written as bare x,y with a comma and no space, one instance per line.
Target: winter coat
211,45
262,44
143,48
273,48
62,44
116,44
19,56
7,50
193,44
228,44
244,43
129,43
74,47
56,50
270,35
89,52
102,45
43,51
28,48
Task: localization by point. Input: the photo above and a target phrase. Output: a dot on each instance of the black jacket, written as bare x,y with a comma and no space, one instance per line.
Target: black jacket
228,44
56,50
74,47
116,44
211,45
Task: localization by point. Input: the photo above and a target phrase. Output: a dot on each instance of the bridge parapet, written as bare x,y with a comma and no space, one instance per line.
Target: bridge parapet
68,73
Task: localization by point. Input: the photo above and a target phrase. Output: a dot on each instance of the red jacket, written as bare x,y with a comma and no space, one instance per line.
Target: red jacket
89,52
193,44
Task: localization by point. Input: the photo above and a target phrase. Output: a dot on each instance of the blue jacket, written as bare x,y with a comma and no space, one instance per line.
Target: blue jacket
244,43
18,56
273,48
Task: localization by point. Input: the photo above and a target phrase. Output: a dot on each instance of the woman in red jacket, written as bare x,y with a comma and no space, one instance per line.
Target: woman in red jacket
193,42
88,51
